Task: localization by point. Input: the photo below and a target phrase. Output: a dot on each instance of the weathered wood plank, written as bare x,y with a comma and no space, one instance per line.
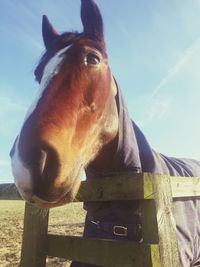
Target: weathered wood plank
108,253
131,186
33,253
9,192
124,186
166,224
149,222
185,186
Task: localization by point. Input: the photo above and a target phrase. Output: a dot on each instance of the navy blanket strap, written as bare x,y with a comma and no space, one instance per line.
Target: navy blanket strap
113,230
109,230
121,220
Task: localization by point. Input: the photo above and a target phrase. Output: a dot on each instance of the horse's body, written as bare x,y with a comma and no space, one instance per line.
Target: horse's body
135,154
80,122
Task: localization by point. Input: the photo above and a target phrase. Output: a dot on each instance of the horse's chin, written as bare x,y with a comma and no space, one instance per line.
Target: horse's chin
67,198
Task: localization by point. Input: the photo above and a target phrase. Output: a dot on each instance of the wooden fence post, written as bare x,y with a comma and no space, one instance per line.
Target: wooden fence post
34,243
168,244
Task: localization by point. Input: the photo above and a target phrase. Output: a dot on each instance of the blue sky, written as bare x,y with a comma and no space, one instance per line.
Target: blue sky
154,50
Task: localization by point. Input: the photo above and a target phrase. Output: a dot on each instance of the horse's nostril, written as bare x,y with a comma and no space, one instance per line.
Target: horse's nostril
45,167
46,162
42,161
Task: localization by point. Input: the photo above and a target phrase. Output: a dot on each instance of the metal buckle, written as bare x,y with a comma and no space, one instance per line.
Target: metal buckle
119,230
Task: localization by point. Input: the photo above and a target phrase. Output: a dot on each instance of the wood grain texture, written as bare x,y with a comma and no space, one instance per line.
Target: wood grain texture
185,186
121,186
107,253
33,253
149,222
168,245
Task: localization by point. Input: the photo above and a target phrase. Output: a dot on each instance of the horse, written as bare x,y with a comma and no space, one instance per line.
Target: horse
79,123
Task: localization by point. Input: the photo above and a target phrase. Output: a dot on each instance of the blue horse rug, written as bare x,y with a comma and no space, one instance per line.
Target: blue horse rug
135,154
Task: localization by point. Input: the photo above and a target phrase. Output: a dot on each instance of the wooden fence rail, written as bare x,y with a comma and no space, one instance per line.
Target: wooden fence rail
155,193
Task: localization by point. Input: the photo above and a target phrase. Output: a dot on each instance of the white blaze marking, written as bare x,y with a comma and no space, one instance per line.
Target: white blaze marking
21,174
51,69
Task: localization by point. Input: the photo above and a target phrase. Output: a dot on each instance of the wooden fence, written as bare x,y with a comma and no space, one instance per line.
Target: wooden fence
155,193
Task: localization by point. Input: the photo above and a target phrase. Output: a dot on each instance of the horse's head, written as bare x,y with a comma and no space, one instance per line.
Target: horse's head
73,117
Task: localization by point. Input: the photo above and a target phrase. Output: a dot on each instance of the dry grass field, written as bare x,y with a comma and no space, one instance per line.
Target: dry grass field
67,220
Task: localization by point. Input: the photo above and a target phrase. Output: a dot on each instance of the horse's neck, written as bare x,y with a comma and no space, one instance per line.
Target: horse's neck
146,153
128,151
104,159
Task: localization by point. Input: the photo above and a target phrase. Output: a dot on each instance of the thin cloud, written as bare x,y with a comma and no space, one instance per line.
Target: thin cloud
157,106
10,107
33,42
26,27
180,64
154,108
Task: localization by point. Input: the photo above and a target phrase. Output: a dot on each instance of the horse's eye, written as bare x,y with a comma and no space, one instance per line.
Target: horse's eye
92,59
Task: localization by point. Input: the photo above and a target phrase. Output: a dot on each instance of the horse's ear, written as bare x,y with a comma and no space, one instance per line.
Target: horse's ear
48,32
92,20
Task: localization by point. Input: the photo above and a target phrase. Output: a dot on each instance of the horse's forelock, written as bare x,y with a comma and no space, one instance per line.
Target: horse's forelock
63,40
